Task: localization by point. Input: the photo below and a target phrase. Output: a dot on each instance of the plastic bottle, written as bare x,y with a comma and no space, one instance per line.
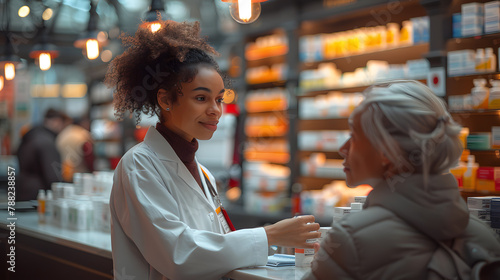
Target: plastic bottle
392,34
41,206
49,205
491,60
296,189
406,36
470,174
480,94
494,99
480,61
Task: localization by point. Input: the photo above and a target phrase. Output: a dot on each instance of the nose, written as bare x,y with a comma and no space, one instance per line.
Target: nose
215,108
344,150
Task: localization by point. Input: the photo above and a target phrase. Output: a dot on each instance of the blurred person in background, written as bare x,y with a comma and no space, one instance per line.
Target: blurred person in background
167,219
38,156
75,146
403,143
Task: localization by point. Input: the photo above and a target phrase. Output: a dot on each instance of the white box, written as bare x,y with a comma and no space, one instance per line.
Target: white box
480,202
472,8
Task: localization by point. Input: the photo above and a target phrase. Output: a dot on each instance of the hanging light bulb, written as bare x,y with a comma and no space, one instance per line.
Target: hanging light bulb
1,83
44,61
151,17
155,27
244,11
92,49
44,53
92,40
10,71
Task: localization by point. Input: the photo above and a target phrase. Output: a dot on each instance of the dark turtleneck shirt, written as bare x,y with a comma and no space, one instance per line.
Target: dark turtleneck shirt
184,149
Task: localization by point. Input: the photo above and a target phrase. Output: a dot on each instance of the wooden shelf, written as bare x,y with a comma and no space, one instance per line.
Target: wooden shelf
324,124
479,112
266,61
350,89
478,121
328,154
485,75
315,183
481,41
396,55
267,85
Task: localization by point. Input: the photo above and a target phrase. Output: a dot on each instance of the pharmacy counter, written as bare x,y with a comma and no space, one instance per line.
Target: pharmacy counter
44,251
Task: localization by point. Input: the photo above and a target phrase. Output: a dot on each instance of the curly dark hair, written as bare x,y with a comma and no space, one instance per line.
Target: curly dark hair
157,60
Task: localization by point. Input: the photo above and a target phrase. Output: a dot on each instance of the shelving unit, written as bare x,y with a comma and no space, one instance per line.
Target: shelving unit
305,18
106,132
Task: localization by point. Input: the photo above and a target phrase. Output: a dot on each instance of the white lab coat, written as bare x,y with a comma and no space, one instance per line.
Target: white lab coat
163,226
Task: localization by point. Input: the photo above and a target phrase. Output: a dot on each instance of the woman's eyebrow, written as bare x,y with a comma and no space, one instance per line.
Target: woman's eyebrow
202,88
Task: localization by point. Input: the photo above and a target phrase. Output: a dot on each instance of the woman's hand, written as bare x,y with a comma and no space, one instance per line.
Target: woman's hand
293,232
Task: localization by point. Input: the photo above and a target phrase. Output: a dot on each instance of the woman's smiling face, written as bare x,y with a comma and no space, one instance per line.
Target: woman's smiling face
196,113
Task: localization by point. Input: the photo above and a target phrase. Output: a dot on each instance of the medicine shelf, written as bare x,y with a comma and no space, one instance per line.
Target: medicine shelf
266,61
266,85
481,112
328,154
480,41
352,88
323,124
466,194
315,183
266,112
395,55
489,75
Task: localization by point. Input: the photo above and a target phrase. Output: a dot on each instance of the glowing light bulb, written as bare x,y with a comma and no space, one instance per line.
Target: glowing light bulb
24,11
1,83
155,27
10,71
92,49
245,11
44,61
47,14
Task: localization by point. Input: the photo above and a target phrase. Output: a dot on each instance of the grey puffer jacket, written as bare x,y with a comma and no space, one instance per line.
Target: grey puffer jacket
386,240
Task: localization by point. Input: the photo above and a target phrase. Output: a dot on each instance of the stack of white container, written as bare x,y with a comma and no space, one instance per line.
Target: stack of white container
481,208
82,205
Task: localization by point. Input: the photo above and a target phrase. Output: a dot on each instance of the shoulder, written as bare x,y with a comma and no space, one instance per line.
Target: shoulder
139,155
369,217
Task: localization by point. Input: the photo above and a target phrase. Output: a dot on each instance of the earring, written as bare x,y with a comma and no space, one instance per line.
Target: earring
168,109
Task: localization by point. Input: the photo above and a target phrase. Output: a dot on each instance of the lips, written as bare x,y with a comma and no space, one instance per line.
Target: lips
210,125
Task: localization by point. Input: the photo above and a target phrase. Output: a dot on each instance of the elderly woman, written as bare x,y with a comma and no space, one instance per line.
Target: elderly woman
403,142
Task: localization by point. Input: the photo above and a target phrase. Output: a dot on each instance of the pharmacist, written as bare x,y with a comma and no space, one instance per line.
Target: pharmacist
167,220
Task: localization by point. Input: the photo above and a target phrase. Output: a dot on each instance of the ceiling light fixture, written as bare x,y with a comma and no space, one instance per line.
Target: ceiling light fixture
92,40
244,11
156,10
43,52
9,60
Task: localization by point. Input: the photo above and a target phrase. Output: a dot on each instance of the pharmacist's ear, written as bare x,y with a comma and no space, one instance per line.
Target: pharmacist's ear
163,99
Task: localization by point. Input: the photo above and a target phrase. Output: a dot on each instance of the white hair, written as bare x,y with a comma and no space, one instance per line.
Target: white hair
410,125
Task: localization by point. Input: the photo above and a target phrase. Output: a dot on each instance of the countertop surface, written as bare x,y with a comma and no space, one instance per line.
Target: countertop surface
94,242
99,243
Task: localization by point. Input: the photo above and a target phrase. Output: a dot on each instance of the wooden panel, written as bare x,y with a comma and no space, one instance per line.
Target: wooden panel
326,124
478,121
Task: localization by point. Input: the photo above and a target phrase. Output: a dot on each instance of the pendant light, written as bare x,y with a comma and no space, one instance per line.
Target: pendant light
91,41
244,11
1,83
44,52
156,11
9,60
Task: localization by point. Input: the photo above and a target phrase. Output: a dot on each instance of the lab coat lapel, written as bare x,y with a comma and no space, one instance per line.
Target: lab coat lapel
166,153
